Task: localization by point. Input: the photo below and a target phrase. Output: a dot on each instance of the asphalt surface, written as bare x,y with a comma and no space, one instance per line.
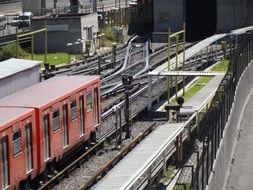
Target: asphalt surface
241,176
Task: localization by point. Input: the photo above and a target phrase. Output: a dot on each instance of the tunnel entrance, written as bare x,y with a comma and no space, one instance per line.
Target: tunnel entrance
200,19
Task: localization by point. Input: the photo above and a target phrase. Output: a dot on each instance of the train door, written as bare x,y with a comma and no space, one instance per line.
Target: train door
46,124
4,162
81,112
65,125
96,107
29,163
89,119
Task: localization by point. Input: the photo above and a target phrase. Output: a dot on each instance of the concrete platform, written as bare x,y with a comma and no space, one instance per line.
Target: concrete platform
203,96
124,173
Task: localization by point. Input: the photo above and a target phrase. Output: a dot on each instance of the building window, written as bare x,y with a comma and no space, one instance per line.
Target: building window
17,146
89,33
73,110
56,120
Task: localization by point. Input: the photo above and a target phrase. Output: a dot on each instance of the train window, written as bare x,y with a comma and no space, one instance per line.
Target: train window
96,106
89,102
4,163
82,129
56,120
17,146
29,161
73,110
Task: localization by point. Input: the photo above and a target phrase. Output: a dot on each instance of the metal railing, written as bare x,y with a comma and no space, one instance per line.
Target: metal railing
214,122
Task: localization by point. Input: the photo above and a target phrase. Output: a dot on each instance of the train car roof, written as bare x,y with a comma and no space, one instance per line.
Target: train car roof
13,66
10,115
48,91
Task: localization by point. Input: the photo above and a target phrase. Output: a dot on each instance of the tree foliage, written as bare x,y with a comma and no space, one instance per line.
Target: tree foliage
9,51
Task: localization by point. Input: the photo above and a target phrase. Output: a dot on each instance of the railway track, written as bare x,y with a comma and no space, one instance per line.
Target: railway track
140,103
83,66
101,157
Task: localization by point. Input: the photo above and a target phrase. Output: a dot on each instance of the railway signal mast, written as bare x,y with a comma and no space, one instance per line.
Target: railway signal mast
127,80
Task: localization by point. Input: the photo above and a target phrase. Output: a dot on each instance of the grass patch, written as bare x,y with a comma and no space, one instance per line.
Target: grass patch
197,86
168,175
109,36
186,186
202,81
221,66
53,58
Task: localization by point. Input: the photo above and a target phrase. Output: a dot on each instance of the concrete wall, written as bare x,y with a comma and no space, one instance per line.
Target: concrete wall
231,14
90,20
249,6
33,6
63,30
219,177
168,13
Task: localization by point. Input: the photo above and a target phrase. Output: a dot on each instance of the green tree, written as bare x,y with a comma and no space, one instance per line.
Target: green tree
9,51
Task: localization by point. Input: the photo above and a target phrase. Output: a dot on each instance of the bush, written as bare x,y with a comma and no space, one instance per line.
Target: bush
108,33
9,51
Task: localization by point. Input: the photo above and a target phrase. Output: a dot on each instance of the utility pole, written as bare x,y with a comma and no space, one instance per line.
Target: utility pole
99,64
176,85
184,41
114,47
120,128
55,2
94,6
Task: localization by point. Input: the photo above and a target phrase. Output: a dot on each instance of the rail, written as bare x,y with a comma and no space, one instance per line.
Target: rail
120,155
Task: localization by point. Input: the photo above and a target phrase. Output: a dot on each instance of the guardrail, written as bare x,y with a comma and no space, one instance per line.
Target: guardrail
216,133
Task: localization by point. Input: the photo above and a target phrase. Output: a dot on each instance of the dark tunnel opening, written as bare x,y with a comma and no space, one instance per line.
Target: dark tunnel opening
200,19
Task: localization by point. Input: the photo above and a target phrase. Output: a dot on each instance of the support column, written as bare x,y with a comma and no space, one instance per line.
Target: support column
180,150
158,91
149,92
197,121
164,163
149,179
184,41
176,83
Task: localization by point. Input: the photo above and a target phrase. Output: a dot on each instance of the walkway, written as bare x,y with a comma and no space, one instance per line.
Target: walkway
135,164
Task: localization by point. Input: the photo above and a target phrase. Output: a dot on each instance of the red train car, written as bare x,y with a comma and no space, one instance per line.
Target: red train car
18,160
67,113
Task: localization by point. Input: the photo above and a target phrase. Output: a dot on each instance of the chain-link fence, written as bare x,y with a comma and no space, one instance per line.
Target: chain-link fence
213,124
